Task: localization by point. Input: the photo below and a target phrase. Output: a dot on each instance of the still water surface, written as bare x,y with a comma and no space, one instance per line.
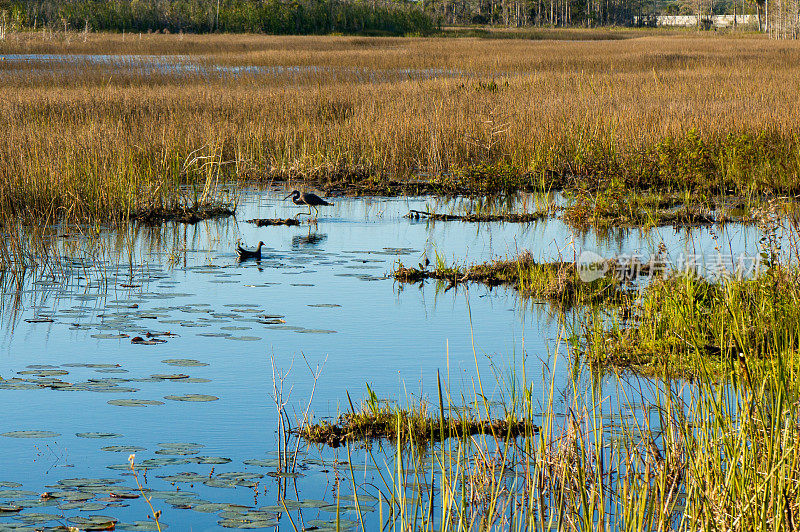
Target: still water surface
321,294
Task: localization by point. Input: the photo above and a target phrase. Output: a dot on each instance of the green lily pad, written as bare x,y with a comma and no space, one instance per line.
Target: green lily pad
247,524
123,449
192,397
211,507
88,482
159,462
92,520
31,434
271,462
181,445
177,452
98,435
244,338
44,372
186,476
184,362
134,402
16,494
37,518
211,460
141,526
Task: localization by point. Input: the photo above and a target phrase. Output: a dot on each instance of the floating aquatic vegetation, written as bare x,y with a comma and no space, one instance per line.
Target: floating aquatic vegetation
183,362
211,460
270,462
135,402
31,434
141,526
98,435
122,448
192,397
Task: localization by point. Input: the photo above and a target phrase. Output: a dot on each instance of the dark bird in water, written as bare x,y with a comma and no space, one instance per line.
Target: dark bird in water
244,253
307,198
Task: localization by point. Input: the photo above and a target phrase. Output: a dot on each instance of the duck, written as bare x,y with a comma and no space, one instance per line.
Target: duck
245,253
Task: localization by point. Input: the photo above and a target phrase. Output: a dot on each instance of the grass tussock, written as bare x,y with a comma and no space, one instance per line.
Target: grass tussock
712,115
557,282
377,419
526,217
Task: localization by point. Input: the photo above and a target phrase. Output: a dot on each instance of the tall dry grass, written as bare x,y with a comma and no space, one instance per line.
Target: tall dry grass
706,113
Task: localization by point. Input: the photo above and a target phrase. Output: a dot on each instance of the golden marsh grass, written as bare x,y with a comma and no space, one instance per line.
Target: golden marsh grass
92,140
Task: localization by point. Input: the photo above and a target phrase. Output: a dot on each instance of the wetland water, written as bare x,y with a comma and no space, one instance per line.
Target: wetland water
79,396
176,66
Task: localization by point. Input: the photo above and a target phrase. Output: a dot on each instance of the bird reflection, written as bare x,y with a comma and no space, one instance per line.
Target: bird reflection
310,240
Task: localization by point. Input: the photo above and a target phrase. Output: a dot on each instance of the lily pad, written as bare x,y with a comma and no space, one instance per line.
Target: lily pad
37,518
123,449
141,526
31,434
212,460
16,494
184,362
181,445
160,462
192,397
134,402
99,435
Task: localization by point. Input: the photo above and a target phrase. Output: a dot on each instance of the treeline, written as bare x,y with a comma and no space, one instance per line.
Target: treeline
376,17
591,13
234,16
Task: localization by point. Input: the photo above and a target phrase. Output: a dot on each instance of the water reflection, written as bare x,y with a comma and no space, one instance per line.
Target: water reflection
311,240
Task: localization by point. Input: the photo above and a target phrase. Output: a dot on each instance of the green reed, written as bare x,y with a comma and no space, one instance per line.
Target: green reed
622,455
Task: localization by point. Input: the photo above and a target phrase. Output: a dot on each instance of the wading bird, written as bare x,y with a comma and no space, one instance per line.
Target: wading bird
244,253
307,198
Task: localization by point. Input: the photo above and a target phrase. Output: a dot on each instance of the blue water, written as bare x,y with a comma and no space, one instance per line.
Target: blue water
329,282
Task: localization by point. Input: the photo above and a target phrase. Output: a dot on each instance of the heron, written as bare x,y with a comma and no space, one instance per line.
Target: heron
245,253
307,198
